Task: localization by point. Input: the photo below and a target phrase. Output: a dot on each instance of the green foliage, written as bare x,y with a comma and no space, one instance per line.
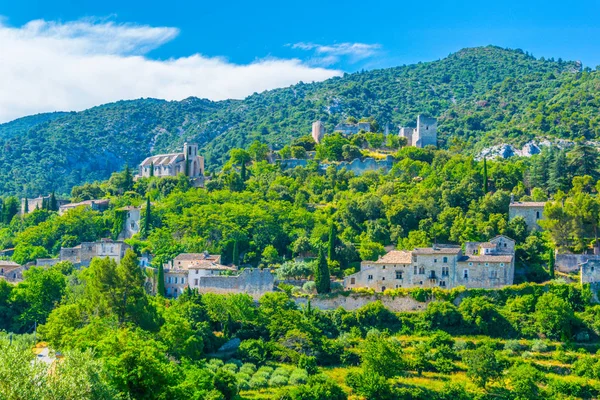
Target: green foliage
322,276
482,364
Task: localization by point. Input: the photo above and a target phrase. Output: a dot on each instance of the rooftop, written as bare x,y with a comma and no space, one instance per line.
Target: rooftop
196,256
487,245
487,258
528,204
8,264
437,250
396,257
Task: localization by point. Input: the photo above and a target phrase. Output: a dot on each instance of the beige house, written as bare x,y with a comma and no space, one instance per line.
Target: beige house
187,162
205,273
132,225
83,254
11,271
531,211
485,265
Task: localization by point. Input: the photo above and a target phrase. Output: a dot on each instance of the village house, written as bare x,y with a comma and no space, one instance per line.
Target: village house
205,273
82,255
132,224
188,162
29,205
11,271
531,211
484,265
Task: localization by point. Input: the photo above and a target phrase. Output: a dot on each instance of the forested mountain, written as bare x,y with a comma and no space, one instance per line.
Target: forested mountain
480,95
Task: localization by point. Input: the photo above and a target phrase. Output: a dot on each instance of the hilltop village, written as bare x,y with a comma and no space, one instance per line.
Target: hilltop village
486,265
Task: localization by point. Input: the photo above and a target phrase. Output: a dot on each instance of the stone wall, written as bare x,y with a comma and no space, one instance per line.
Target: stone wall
531,214
290,163
568,263
252,281
356,301
359,166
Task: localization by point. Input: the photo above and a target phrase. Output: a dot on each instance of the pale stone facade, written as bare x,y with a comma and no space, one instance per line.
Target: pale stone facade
425,134
205,273
318,131
487,265
531,211
187,162
132,225
83,254
38,203
590,271
11,271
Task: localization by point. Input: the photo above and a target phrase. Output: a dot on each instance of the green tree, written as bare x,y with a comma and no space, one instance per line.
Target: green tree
147,218
553,316
485,176
53,204
331,242
322,276
160,284
26,206
236,253
382,355
482,364
551,263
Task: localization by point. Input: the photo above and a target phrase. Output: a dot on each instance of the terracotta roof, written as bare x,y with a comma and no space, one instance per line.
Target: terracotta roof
528,204
161,159
396,257
437,250
211,266
501,236
196,256
488,258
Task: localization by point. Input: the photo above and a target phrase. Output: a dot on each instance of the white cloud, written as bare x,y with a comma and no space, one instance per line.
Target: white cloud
48,66
331,54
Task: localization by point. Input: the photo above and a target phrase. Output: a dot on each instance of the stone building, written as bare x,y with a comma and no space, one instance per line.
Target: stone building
96,205
132,224
205,273
590,271
531,211
11,271
569,263
83,254
486,265
425,134
187,162
352,129
318,131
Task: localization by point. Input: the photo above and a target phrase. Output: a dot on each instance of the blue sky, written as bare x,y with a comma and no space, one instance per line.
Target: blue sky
265,43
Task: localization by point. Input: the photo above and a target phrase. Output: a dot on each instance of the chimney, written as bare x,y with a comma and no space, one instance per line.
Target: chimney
512,198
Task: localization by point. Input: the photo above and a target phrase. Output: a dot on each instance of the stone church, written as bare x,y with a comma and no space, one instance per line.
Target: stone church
187,162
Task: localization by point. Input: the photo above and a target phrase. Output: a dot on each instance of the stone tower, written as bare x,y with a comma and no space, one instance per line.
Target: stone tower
426,132
193,164
318,131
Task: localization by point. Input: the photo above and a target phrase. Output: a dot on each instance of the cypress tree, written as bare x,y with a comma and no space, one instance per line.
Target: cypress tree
236,253
485,176
26,206
322,277
151,169
53,206
551,263
243,171
127,179
160,285
147,217
332,241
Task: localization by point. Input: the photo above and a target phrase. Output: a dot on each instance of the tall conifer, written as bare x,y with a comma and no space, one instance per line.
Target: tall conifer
322,277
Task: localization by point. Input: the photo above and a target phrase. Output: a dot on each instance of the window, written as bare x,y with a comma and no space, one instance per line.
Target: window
422,271
435,260
169,279
502,264
196,272
445,259
175,292
487,264
465,274
370,277
445,271
383,288
442,283
175,280
168,290
415,270
537,215
398,274
352,281
493,274
383,279
470,264
383,267
196,282
182,280
504,244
